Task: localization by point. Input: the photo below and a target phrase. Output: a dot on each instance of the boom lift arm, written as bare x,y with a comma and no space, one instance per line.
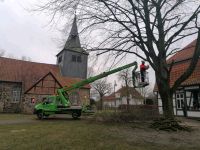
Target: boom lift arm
63,91
102,75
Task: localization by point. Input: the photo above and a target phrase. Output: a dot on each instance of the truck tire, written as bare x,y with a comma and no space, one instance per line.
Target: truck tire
40,115
75,115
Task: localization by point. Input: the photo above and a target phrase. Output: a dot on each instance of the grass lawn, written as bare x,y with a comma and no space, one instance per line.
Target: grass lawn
14,117
68,134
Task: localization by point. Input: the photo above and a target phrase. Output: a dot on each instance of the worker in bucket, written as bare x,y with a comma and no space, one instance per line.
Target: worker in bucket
143,69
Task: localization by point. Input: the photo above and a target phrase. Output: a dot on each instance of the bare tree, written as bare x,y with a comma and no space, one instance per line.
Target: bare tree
90,72
25,58
125,77
103,88
2,52
145,91
150,29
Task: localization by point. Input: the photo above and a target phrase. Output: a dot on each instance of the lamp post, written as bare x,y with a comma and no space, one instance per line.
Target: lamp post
115,84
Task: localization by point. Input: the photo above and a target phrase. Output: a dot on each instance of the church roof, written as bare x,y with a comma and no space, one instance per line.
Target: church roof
73,41
29,73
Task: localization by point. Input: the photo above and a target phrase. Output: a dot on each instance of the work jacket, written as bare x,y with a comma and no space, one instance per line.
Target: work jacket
142,67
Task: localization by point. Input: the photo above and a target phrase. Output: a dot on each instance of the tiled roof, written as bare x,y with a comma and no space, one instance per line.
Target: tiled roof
30,72
182,60
122,91
180,65
179,68
186,53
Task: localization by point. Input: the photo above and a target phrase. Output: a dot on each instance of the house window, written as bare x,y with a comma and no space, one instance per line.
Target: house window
16,93
60,59
196,104
117,95
74,58
179,100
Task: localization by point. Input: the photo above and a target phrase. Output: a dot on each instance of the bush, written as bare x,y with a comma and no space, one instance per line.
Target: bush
123,116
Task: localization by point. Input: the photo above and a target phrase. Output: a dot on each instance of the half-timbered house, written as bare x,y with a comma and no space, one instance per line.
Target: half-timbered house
186,99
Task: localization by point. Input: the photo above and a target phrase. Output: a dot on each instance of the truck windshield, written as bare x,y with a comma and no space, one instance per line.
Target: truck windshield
48,100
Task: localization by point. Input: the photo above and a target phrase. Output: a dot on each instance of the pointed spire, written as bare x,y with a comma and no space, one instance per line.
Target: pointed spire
73,40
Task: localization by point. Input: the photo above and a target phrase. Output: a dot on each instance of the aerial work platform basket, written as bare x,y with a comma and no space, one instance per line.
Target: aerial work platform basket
138,79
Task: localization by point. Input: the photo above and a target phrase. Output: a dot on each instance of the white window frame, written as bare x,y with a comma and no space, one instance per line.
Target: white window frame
179,100
16,94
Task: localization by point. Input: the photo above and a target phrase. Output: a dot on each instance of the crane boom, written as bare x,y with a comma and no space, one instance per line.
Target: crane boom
97,77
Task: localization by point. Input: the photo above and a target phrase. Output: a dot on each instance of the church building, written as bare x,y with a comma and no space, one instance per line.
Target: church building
24,84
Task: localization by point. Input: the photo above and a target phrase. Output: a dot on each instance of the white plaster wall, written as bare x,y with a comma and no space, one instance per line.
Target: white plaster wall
123,101
160,110
193,114
159,102
179,112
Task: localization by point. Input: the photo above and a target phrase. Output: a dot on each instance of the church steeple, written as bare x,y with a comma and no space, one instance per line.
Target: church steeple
73,40
73,59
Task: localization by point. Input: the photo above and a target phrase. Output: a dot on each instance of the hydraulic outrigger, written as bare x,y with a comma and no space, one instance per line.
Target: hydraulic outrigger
60,103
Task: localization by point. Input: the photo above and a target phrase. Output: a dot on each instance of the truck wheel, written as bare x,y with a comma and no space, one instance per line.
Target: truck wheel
40,115
75,115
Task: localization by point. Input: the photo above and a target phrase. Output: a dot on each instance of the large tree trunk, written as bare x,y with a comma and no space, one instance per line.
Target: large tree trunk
162,80
167,100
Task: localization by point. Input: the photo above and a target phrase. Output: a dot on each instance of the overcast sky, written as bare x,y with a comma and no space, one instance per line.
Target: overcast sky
25,33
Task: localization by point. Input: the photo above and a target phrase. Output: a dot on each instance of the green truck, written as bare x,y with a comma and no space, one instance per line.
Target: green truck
60,103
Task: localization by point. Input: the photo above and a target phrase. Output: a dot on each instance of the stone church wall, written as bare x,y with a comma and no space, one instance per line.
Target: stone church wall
7,103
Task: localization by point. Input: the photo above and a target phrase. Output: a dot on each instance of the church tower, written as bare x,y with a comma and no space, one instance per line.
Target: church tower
73,59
